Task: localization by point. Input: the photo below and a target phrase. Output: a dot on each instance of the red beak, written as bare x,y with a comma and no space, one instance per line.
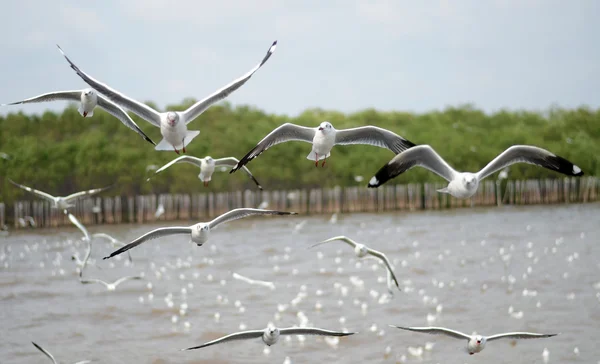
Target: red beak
320,128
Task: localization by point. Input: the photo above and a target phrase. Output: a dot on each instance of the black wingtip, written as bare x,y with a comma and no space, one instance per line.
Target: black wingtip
274,43
108,257
563,166
149,140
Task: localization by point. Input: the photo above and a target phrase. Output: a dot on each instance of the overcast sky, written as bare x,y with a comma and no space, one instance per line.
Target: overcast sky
341,55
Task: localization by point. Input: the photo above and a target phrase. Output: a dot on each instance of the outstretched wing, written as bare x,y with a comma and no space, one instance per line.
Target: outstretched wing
312,331
373,135
242,213
157,233
78,195
38,193
231,162
236,336
45,352
386,261
436,331
120,114
182,159
74,95
518,335
343,238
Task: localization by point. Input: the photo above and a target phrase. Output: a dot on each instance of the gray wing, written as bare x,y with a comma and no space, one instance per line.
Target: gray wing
375,136
78,195
343,238
83,362
420,155
183,159
45,352
284,133
198,108
123,279
252,334
74,95
105,236
531,155
157,233
518,335
79,226
436,331
385,260
92,281
142,110
44,195
120,114
231,162
242,213
312,331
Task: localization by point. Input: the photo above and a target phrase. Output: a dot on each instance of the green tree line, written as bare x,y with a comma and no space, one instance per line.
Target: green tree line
61,153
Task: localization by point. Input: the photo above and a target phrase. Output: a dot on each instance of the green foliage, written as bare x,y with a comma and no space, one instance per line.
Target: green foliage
65,153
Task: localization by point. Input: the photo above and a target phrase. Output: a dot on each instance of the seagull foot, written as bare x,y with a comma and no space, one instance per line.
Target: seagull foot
176,151
205,184
323,164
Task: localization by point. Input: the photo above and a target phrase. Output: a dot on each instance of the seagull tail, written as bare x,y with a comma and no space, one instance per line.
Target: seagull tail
313,156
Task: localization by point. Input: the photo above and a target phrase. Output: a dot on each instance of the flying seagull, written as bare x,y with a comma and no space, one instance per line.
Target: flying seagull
109,286
52,358
271,335
88,100
324,137
361,251
172,124
475,343
86,237
207,166
464,184
62,203
199,232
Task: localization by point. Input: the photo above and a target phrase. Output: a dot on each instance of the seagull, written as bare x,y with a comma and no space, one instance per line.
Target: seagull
89,99
109,286
271,335
113,242
172,124
27,220
86,237
62,203
464,184
476,343
199,232
361,251
324,138
52,358
207,167
253,281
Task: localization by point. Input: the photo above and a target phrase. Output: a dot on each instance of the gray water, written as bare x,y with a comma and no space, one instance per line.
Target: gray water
485,270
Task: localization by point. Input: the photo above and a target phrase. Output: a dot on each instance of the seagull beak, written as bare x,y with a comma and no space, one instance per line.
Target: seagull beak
320,128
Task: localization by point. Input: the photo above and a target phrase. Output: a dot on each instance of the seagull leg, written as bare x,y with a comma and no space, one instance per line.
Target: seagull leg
183,143
205,184
84,114
323,164
316,160
176,151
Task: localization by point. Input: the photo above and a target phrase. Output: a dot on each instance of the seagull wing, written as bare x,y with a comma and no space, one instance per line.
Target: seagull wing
78,195
243,335
531,155
79,226
420,155
198,108
182,159
231,162
123,279
38,193
436,331
74,95
242,213
116,111
372,135
45,352
343,238
385,260
518,335
157,233
92,280
312,331
142,110
284,133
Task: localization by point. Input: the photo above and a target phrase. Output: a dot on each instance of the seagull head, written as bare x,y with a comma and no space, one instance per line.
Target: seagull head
88,92
479,340
272,331
325,126
172,118
209,159
469,179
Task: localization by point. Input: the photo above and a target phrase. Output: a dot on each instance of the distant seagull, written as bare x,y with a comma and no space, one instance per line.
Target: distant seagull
324,138
109,286
88,101
172,124
475,343
27,221
160,210
361,251
207,166
464,184
240,277
113,242
199,232
263,205
271,335
61,203
52,358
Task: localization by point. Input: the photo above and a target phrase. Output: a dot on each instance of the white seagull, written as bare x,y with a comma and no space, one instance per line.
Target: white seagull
465,184
88,100
199,232
207,167
324,137
109,286
361,250
52,358
86,237
172,124
271,335
475,343
62,203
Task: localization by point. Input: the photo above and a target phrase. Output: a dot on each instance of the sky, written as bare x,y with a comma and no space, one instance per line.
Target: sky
344,55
